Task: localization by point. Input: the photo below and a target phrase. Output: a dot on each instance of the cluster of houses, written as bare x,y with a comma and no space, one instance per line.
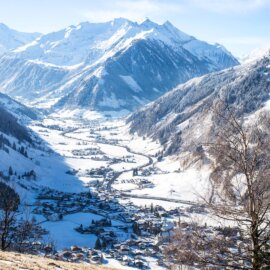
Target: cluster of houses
100,139
53,204
101,172
125,232
107,232
147,171
133,253
54,127
79,254
141,183
93,151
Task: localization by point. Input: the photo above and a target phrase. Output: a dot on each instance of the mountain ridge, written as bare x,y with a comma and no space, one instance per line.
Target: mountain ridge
182,119
11,39
103,66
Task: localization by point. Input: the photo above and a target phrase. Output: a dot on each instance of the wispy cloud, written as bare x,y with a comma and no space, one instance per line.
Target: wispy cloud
136,10
140,9
235,6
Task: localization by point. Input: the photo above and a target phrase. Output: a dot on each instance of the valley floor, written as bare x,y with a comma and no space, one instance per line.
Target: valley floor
126,179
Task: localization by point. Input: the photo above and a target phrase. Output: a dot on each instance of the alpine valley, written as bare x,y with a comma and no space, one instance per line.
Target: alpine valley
101,134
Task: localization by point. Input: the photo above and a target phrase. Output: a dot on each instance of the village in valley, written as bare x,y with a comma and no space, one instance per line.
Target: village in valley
102,209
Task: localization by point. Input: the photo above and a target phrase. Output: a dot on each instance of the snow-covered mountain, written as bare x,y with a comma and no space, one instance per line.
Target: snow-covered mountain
10,126
254,54
11,39
182,119
18,110
15,136
107,66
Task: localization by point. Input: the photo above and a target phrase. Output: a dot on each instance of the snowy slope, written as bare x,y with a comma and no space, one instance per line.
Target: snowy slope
17,109
11,39
15,134
181,119
9,125
14,118
107,66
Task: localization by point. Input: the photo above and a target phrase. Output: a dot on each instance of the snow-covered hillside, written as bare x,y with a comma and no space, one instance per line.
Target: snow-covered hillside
18,110
11,39
15,136
107,66
182,119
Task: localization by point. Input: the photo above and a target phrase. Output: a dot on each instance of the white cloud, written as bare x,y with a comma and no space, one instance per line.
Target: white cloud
136,10
159,10
235,6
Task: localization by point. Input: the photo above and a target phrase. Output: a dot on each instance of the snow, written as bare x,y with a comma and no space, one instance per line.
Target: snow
187,185
11,39
45,64
170,184
255,54
64,235
48,70
22,164
142,202
132,83
111,102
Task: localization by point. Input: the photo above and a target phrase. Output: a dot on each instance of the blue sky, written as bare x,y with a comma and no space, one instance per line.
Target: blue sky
240,25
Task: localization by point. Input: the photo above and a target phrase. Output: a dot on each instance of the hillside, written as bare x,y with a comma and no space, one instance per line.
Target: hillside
18,110
10,126
16,261
13,118
182,119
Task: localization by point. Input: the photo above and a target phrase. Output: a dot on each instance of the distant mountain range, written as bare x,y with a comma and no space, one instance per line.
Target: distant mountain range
11,39
182,119
112,66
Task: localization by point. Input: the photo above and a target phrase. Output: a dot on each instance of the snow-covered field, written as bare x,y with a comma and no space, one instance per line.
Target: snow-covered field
168,182
64,235
73,149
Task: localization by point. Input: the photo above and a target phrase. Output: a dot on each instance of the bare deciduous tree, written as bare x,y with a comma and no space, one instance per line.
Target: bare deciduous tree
240,198
16,234
9,201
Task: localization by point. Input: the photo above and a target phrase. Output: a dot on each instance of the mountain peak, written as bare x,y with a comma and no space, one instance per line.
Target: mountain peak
120,21
168,24
117,22
176,32
125,64
148,23
11,39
